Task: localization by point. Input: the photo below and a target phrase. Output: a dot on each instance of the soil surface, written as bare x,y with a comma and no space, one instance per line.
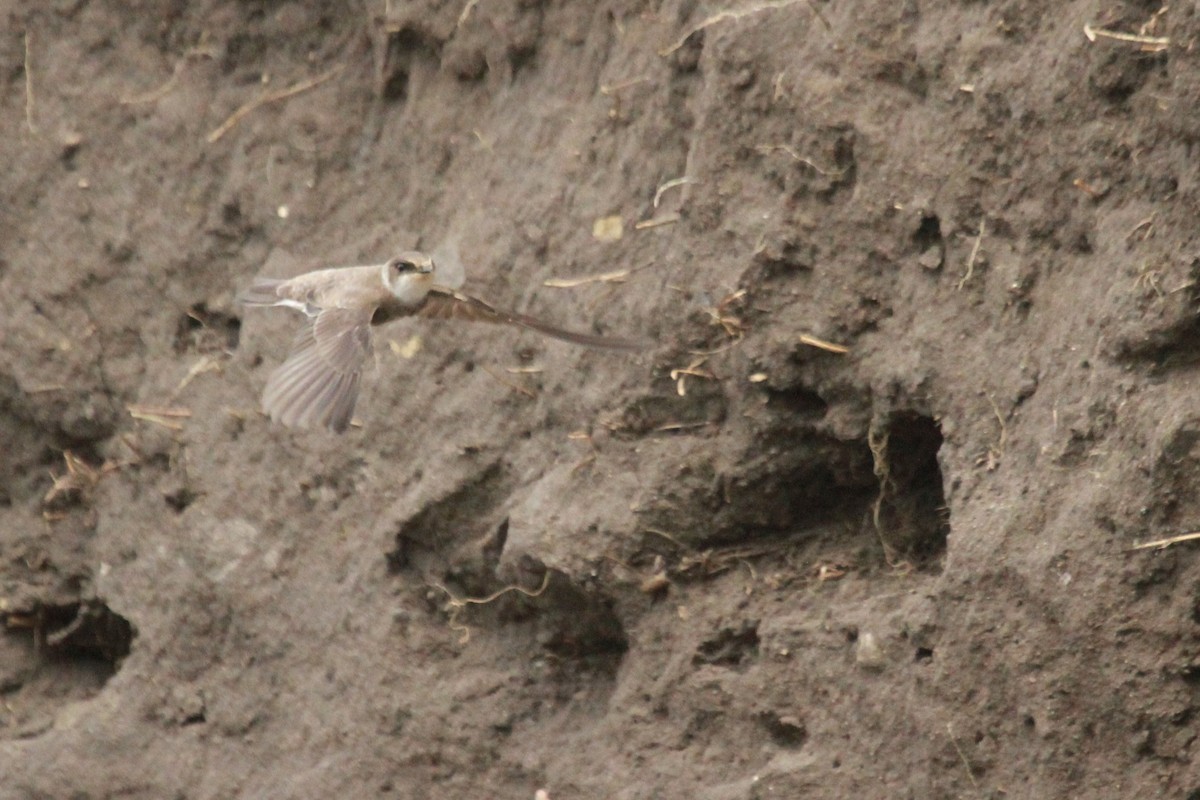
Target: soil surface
921,283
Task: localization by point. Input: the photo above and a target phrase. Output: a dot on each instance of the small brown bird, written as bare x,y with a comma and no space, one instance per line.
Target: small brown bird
318,383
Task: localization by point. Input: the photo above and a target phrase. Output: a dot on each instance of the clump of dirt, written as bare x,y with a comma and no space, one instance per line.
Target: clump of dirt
921,287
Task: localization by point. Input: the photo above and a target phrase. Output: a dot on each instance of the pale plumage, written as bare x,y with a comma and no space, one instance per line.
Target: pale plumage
318,384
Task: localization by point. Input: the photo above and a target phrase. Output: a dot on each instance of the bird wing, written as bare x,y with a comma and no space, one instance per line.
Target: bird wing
318,383
445,303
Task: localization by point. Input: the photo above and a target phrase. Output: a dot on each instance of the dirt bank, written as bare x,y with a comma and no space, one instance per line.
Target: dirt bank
922,283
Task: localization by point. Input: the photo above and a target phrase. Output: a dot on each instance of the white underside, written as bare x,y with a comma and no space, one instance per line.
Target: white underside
296,304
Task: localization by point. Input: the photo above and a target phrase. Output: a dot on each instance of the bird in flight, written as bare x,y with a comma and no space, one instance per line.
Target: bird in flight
318,383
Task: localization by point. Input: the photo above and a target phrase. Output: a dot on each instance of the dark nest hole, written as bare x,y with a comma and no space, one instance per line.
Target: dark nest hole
82,638
910,513
402,49
729,647
202,330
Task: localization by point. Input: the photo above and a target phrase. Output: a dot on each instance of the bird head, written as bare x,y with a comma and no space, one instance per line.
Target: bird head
408,275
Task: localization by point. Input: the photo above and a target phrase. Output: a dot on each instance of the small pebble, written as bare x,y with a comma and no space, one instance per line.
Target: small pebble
869,654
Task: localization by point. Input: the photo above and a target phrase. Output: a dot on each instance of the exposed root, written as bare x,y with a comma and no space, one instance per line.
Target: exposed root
723,16
271,97
457,604
199,51
970,271
877,441
767,149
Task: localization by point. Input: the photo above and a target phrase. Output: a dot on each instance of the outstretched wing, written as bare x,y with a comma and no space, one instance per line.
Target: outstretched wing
445,303
318,384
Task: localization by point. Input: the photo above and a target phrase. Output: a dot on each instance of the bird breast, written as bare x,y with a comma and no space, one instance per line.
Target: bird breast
411,290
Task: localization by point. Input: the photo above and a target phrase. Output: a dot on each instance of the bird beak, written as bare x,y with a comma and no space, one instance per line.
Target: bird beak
426,267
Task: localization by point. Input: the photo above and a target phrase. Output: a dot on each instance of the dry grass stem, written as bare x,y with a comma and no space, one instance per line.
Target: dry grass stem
76,483
693,370
722,317
680,426
1149,44
484,142
669,219
970,271
671,184
613,88
1146,225
1162,544
516,387
996,452
179,412
162,91
821,344
767,149
820,15
717,351
204,364
466,13
963,756
271,97
28,88
165,416
724,16
1088,189
616,276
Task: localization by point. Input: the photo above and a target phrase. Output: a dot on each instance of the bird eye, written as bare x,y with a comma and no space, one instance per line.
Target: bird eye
400,266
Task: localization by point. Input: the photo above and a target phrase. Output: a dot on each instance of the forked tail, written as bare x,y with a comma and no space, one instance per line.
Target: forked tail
261,293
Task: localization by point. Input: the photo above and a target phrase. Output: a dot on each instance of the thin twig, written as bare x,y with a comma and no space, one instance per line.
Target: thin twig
821,344
272,97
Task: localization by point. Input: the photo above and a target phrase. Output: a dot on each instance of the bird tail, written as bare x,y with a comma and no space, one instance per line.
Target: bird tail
261,293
